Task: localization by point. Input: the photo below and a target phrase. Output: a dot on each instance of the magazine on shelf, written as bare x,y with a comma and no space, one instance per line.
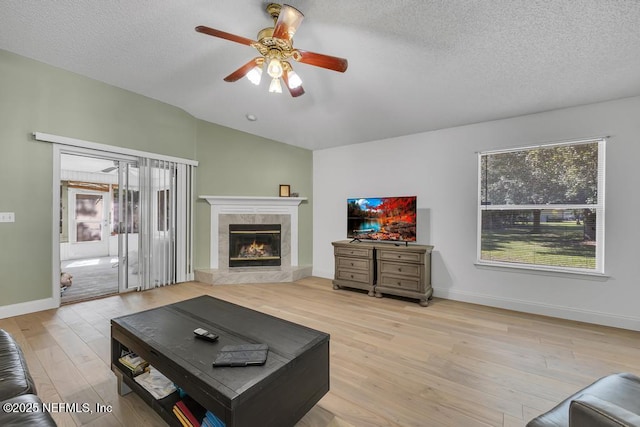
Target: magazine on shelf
134,363
155,383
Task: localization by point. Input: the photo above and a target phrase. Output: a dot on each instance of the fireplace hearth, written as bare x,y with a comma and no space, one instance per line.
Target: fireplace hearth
254,245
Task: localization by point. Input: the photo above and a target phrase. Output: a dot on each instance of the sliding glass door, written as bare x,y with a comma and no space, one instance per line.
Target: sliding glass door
127,224
97,235
135,204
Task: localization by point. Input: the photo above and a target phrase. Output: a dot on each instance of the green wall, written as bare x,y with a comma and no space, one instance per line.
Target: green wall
234,164
38,97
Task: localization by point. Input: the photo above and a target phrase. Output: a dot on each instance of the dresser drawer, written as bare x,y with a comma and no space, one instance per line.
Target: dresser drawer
355,263
353,276
353,252
406,283
400,269
400,256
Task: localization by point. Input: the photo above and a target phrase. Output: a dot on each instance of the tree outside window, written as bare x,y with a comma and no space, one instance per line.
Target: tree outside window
543,206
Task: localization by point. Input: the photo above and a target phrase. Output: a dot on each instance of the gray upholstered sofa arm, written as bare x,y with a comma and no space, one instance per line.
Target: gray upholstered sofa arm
589,410
617,404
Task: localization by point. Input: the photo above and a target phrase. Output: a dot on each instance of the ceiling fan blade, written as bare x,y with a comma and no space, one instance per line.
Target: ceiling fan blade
242,71
288,22
223,35
319,60
295,92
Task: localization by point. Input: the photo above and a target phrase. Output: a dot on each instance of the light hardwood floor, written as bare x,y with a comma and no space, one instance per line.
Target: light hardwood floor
393,363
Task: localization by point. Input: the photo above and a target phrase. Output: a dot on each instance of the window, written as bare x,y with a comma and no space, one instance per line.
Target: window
131,221
89,216
543,207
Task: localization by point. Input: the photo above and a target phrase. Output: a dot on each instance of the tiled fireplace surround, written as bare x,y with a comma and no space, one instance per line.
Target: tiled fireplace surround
227,210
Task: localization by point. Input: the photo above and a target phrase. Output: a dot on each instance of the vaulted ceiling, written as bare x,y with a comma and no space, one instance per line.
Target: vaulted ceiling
414,65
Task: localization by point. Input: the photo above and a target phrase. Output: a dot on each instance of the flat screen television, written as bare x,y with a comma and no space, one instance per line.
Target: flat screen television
382,218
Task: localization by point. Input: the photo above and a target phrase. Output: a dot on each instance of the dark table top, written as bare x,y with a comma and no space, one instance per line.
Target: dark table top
168,330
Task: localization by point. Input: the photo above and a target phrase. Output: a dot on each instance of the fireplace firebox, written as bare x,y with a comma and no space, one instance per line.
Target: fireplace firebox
253,245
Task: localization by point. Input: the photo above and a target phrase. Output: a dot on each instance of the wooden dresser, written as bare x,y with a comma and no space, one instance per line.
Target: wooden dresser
355,265
384,268
404,271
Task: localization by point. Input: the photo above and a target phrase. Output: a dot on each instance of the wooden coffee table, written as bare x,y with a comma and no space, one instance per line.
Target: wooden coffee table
278,394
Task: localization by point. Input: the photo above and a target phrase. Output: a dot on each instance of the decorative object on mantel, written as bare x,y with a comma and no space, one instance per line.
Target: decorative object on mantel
295,195
285,190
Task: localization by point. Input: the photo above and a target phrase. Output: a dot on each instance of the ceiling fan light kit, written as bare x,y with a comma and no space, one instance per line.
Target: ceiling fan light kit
255,75
294,80
275,86
275,44
274,69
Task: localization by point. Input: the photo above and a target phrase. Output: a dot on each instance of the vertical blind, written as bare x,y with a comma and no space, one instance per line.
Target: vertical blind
166,189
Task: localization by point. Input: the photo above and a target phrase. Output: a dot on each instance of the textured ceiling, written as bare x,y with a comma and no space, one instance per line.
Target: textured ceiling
414,65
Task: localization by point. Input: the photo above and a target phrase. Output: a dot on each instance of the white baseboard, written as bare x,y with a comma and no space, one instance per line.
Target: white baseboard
323,274
569,313
27,307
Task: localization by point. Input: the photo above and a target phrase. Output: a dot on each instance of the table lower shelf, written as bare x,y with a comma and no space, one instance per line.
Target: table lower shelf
163,407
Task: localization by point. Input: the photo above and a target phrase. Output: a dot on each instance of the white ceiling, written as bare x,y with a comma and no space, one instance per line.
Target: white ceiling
78,163
414,65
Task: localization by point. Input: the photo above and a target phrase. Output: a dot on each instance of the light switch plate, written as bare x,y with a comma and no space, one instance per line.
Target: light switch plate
7,217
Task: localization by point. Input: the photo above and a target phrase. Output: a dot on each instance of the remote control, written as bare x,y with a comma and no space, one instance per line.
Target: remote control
205,335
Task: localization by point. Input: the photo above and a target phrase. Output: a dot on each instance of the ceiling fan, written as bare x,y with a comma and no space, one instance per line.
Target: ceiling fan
275,44
110,168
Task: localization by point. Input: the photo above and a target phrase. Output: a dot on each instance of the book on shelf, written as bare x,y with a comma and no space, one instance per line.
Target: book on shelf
191,409
212,420
180,416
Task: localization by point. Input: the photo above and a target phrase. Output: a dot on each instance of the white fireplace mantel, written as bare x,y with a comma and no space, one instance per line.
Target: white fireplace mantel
250,201
221,205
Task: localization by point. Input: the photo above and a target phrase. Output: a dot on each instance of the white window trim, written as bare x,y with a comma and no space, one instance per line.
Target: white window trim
599,270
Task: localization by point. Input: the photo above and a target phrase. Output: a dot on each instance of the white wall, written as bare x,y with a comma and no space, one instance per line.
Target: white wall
440,167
